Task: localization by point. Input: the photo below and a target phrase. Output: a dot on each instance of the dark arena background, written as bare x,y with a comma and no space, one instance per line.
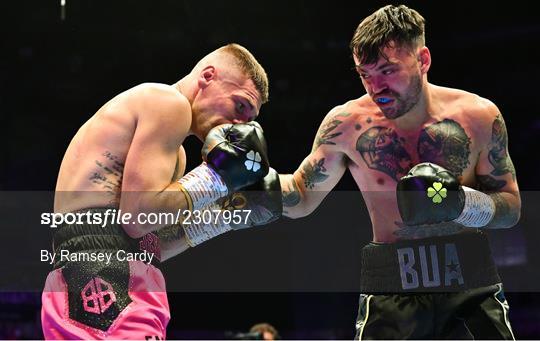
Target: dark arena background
58,66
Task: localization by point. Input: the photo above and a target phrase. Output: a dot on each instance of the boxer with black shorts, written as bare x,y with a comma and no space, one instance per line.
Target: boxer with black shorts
434,170
129,157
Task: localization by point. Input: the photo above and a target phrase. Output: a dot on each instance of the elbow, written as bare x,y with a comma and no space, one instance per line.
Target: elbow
510,219
134,231
131,212
293,214
297,211
516,211
137,224
514,218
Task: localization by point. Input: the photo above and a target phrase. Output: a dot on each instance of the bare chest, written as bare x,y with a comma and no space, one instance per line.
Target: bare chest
380,155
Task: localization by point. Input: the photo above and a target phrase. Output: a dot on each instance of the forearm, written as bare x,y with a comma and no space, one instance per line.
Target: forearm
167,204
294,201
303,191
172,241
507,210
490,209
507,207
193,192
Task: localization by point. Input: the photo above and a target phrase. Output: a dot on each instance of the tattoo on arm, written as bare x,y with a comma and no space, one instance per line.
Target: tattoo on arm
170,233
505,216
327,133
313,173
291,195
498,154
117,165
488,183
109,176
503,209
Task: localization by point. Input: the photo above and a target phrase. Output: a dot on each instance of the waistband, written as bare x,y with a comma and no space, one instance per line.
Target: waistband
96,238
441,264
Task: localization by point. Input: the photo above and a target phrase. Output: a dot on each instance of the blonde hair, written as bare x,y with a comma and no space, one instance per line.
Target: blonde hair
247,63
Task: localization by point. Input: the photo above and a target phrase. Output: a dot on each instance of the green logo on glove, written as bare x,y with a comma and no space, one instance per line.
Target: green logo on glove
437,192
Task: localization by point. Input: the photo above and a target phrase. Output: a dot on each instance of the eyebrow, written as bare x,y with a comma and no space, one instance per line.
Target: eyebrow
249,115
251,106
382,66
245,98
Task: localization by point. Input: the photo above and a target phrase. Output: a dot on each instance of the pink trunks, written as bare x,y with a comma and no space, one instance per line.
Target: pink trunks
88,300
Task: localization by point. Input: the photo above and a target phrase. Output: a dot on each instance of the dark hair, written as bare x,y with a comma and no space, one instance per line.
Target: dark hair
399,24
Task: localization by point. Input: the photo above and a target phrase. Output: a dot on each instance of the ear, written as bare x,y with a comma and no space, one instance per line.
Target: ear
424,59
207,75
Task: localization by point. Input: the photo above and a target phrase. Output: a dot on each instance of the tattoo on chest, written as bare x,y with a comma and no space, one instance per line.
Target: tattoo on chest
313,173
445,143
498,154
109,176
327,131
382,149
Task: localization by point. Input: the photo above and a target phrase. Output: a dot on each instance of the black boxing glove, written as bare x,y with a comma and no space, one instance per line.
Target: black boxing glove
257,204
234,157
262,200
238,153
430,194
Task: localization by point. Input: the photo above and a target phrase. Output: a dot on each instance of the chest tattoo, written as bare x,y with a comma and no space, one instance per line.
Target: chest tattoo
445,143
382,149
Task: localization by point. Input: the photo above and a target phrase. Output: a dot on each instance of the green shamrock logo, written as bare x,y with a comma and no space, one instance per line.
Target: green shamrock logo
437,192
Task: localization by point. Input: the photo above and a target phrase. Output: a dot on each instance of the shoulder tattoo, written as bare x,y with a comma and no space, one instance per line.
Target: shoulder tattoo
328,130
498,153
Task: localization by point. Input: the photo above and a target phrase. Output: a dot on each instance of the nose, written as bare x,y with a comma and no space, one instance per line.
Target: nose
377,86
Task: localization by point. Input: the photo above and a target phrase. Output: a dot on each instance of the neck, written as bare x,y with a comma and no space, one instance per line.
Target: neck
185,87
419,114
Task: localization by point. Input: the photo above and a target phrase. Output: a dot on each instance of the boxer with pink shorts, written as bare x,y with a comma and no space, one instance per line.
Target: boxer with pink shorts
110,299
145,317
129,157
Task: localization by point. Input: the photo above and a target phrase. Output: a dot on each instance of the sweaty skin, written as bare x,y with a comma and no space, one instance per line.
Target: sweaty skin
133,143
129,155
455,129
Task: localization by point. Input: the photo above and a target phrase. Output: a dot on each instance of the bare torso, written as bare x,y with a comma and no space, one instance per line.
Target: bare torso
92,169
380,153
